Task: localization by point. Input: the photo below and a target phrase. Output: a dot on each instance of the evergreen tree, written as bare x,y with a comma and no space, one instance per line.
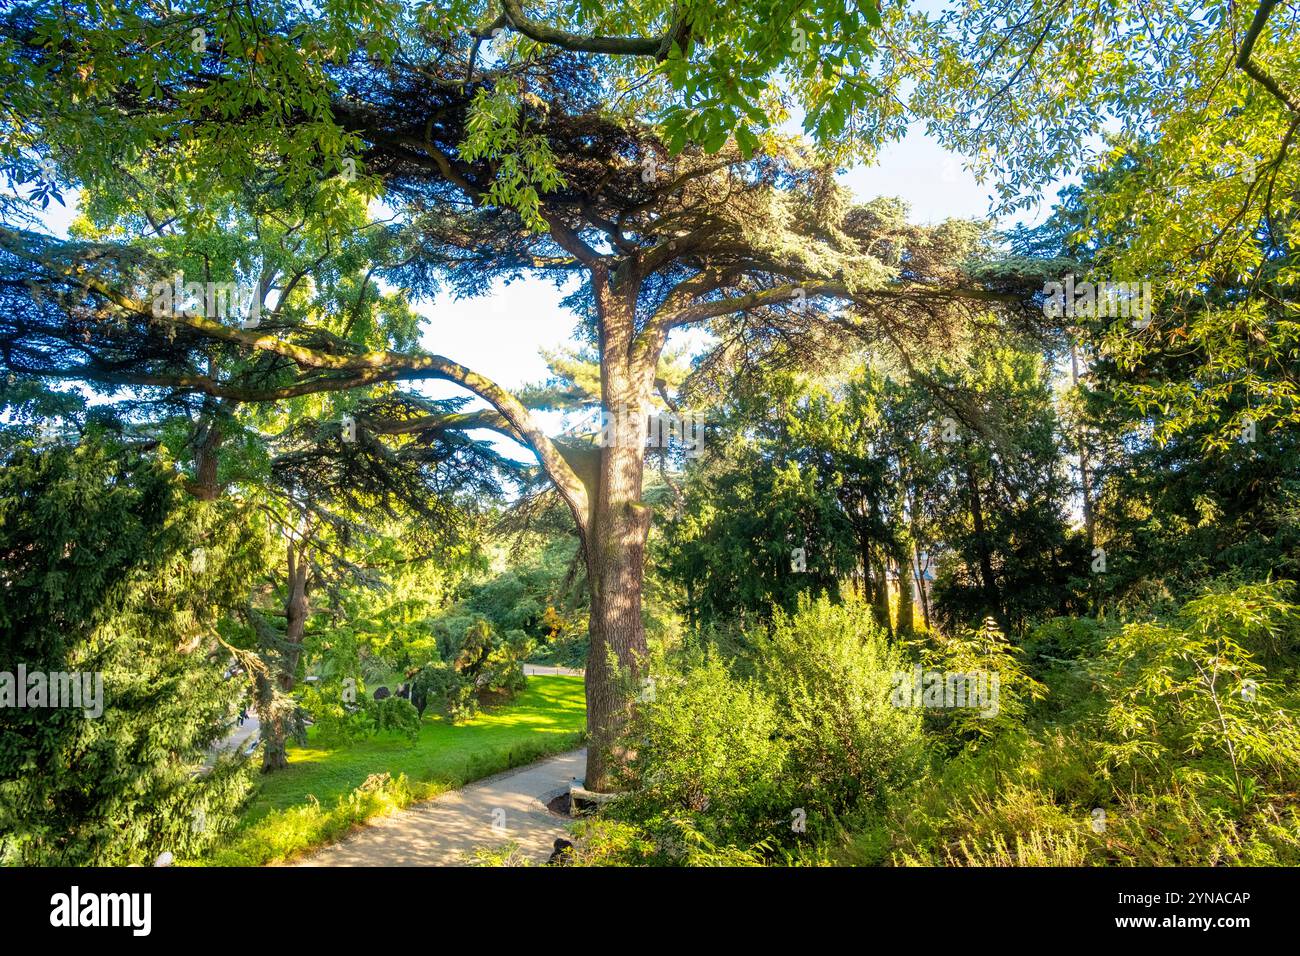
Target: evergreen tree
111,569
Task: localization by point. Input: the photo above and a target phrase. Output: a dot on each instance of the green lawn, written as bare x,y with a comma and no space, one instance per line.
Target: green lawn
317,799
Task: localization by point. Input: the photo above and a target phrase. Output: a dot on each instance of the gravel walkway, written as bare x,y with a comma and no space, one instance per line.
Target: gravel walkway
510,807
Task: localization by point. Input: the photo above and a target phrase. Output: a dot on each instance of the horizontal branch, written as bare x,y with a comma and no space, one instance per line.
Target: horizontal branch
367,368
577,42
458,421
780,295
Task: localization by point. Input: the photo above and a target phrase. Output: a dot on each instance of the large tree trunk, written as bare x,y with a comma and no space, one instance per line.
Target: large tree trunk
274,714
616,549
206,459
273,729
207,447
616,566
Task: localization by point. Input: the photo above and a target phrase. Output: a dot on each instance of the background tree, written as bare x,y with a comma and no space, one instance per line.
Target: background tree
1187,420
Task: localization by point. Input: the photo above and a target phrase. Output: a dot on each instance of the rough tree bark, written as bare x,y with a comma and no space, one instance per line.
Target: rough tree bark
207,457
272,715
615,539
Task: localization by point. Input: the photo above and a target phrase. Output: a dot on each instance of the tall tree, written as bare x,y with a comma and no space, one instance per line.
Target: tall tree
519,169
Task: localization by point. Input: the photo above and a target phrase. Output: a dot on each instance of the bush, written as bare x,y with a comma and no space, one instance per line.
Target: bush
442,688
750,760
1063,639
989,655
336,718
831,671
486,661
502,671
343,722
1189,705
1188,754
707,747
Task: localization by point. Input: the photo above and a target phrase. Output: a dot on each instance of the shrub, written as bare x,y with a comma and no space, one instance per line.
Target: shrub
748,761
502,670
1062,640
443,689
1189,705
336,718
1171,765
487,661
706,747
988,653
831,672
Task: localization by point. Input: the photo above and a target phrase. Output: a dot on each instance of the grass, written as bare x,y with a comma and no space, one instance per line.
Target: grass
328,788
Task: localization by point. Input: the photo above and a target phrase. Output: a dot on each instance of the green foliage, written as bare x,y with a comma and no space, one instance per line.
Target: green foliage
1161,759
740,55
707,746
1187,419
441,687
831,671
985,652
397,714
534,586
1064,639
384,624
209,140
336,718
99,548
498,129
1172,766
260,81
863,469
746,759
999,495
793,446
1190,705
488,662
